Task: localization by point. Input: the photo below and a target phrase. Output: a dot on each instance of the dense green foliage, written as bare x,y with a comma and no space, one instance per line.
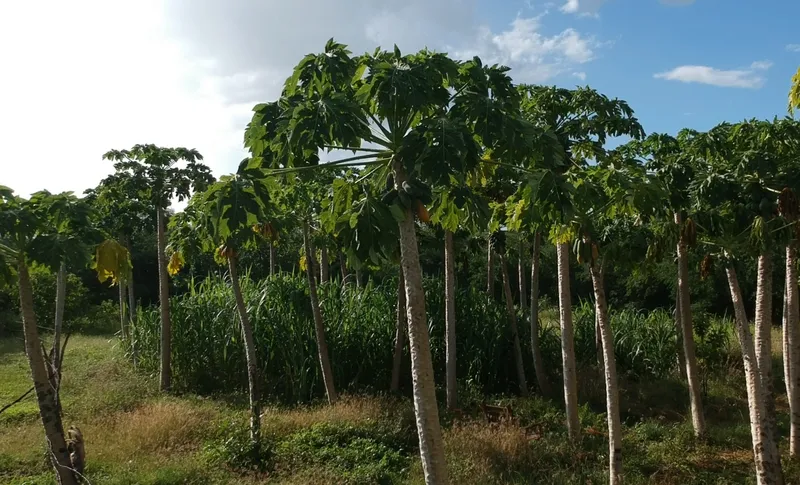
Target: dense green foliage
208,355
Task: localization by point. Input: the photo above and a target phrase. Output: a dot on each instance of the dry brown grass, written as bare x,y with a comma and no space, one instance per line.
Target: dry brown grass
477,453
349,409
156,427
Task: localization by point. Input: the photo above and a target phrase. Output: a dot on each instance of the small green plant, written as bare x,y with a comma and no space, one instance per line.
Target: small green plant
232,448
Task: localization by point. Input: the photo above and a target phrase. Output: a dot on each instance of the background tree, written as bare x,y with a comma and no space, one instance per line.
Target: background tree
154,172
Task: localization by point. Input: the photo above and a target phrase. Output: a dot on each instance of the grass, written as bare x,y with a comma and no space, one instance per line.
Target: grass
134,435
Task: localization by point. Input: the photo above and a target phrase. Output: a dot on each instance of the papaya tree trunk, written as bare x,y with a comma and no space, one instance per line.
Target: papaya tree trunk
61,297
250,355
343,266
785,344
273,258
399,333
538,361
358,277
512,320
123,313
523,287
598,343
692,370
610,371
324,266
450,320
45,394
319,327
793,345
567,343
763,338
163,296
132,319
431,445
765,451
679,334
489,268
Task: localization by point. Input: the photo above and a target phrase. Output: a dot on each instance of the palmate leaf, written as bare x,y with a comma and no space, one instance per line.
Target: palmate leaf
112,261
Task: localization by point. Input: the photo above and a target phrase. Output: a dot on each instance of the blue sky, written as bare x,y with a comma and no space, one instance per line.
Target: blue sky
85,76
647,37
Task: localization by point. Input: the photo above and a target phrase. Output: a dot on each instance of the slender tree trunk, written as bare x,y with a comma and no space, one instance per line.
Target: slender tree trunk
123,314
598,342
273,258
765,451
763,337
61,297
512,319
45,394
343,266
523,287
450,320
358,277
163,296
793,344
610,366
692,371
324,266
250,355
319,327
400,333
567,343
785,343
679,333
132,319
538,362
489,268
431,445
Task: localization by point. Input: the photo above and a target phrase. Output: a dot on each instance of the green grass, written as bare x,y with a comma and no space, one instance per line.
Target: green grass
136,436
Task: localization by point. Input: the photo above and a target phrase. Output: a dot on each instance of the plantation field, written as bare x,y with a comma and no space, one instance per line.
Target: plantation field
135,435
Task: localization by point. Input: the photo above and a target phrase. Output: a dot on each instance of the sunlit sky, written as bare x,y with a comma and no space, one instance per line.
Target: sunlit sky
84,76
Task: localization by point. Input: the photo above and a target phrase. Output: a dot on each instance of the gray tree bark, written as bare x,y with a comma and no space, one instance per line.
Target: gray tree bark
538,362
567,343
512,319
450,321
163,296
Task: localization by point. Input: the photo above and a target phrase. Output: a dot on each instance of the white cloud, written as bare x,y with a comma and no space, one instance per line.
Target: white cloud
793,47
580,75
534,57
187,72
750,78
582,7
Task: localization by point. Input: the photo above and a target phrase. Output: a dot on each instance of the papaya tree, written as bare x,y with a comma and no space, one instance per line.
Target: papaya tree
418,118
726,199
672,160
155,173
27,236
225,216
581,120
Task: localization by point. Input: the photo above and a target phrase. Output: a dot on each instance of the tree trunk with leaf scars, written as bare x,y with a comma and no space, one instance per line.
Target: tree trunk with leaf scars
45,394
765,451
61,297
512,319
610,374
319,326
250,354
567,343
523,287
763,338
538,361
399,333
163,296
450,320
431,445
679,334
793,345
692,370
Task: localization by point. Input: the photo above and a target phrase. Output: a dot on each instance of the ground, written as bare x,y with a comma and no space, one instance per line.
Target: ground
134,435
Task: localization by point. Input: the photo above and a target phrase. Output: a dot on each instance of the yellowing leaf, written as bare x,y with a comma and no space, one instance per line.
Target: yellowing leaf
176,262
112,261
303,264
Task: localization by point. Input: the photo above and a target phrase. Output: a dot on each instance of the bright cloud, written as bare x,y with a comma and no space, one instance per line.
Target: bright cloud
793,47
582,7
750,78
187,72
580,75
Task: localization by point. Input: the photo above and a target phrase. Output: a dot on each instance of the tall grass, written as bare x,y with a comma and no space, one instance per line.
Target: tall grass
208,355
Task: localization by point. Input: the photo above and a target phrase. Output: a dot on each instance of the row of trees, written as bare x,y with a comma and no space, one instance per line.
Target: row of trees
423,138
